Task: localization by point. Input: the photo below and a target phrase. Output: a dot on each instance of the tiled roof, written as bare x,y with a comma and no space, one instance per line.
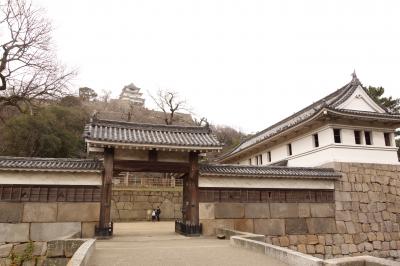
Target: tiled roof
50,164
267,171
332,101
395,117
114,132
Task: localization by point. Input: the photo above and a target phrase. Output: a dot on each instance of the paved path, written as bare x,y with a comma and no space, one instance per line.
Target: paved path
147,243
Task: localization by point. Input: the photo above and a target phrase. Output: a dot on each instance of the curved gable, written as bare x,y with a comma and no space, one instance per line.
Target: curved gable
359,100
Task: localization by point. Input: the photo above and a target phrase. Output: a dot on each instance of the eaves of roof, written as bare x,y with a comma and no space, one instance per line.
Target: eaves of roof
229,170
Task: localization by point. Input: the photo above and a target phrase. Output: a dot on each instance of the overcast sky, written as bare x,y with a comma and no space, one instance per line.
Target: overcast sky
244,63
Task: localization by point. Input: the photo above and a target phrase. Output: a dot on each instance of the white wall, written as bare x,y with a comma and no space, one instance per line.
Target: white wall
49,178
305,154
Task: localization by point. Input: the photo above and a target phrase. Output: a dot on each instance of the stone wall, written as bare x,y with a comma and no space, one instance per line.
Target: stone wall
23,222
364,220
56,252
133,204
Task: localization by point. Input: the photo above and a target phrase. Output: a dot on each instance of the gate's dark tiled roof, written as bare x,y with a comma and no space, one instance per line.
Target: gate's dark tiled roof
150,134
49,164
267,171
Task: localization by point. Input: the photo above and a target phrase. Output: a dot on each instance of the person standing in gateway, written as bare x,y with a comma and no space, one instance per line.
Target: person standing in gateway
158,212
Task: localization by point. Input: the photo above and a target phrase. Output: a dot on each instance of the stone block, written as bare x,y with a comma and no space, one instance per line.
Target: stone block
321,225
14,232
336,250
225,223
312,239
31,262
302,248
345,249
284,241
5,250
71,245
55,248
310,249
350,227
328,240
40,212
208,227
377,245
343,216
296,226
338,239
304,210
256,210
244,225
320,249
167,208
269,226
322,210
39,248
229,210
88,229
11,212
52,231
206,211
20,249
348,239
293,240
78,212
142,206
55,262
302,239
284,210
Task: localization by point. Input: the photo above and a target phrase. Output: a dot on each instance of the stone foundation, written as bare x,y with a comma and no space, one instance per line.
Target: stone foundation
23,222
133,204
56,252
364,220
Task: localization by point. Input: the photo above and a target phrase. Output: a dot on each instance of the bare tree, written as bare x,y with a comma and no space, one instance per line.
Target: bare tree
105,96
29,70
169,103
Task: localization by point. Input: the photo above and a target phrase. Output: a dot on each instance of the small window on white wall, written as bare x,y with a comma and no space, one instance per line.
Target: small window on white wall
357,136
388,141
289,149
269,157
337,135
368,137
260,159
250,161
316,140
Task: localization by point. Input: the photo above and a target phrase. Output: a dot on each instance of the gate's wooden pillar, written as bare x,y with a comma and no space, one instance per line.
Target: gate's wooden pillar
105,208
192,215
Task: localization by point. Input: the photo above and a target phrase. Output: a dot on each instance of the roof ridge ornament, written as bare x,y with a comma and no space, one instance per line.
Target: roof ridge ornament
355,80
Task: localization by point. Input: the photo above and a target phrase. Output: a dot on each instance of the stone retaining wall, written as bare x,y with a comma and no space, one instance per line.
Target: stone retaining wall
56,252
132,204
364,220
23,222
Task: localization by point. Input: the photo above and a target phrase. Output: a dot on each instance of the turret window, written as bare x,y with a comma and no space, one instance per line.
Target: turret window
316,140
357,136
387,137
368,137
269,157
289,149
336,135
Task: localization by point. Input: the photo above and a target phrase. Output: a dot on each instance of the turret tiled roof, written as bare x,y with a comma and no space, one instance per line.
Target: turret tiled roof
267,171
330,102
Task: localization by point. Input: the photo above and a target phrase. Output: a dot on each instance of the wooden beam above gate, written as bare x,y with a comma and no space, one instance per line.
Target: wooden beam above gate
150,166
